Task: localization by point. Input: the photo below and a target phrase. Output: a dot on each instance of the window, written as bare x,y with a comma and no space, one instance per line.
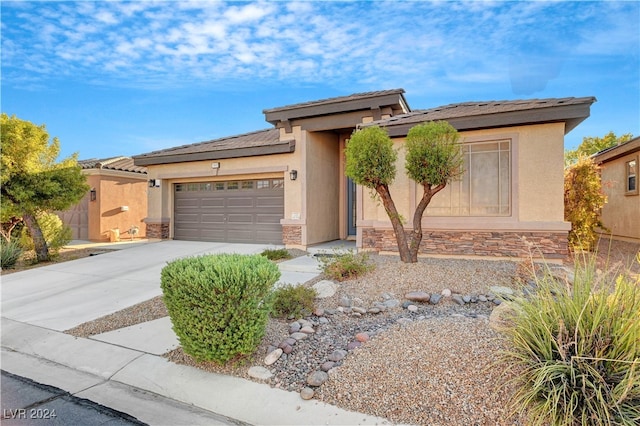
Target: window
485,187
233,185
219,186
247,184
264,184
277,183
631,173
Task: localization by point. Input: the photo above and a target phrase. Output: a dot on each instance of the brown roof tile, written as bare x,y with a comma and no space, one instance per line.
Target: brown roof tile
124,164
339,99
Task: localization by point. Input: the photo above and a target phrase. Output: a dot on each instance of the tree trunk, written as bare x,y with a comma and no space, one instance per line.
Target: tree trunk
42,251
398,229
416,234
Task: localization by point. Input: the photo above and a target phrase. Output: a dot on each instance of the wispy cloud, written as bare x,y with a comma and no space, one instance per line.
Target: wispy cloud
169,44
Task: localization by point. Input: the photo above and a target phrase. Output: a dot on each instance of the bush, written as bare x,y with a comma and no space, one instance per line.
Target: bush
293,301
56,233
345,266
576,349
276,254
219,304
10,252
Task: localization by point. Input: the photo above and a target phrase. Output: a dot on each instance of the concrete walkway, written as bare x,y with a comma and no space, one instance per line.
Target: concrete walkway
122,369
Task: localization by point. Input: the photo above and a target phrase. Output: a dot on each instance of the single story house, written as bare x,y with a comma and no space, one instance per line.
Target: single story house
619,167
286,184
116,203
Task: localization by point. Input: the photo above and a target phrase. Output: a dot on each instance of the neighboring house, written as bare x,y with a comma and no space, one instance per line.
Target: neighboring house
117,200
286,184
619,167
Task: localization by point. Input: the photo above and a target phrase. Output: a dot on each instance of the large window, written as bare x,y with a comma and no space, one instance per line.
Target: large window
485,188
631,173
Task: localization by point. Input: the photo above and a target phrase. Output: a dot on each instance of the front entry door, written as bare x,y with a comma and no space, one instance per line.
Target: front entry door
351,207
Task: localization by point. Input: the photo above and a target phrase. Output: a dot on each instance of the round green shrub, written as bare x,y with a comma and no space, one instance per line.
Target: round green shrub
219,304
293,301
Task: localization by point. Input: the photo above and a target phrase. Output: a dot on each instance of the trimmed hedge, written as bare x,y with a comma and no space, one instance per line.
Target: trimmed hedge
219,304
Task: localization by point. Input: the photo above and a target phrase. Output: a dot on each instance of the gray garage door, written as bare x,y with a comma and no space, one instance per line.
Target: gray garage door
239,211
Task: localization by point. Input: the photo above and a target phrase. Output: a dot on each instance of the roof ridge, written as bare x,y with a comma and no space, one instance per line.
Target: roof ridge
336,98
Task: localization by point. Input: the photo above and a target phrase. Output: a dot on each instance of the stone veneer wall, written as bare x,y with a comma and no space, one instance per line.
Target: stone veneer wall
549,245
292,234
158,230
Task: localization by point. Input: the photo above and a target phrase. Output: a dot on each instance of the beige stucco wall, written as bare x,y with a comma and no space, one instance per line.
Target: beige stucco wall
537,161
322,175
621,213
113,191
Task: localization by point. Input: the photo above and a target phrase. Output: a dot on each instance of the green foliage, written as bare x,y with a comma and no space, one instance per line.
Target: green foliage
291,301
276,254
344,266
370,157
32,180
10,252
583,199
592,145
434,156
219,304
575,349
56,233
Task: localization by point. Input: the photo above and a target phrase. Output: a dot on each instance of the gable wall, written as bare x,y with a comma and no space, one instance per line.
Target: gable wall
621,213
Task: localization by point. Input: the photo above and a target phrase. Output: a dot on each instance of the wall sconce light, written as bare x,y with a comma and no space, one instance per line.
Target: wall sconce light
92,194
154,183
293,174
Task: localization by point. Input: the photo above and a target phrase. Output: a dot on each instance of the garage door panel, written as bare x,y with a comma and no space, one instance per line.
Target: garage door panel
235,212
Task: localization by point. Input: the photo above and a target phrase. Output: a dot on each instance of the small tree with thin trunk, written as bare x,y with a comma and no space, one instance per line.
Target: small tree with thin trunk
33,181
433,159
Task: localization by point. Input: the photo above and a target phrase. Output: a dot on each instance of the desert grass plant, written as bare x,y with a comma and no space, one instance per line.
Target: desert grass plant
276,254
10,252
346,265
575,348
219,305
293,301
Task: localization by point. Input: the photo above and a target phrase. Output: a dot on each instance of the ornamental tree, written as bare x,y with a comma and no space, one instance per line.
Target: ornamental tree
32,181
433,159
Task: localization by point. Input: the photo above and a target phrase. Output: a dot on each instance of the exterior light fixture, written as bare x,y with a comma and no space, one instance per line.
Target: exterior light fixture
92,194
293,174
154,183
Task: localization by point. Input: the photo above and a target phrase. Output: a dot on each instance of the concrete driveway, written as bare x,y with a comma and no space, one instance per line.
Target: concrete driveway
64,295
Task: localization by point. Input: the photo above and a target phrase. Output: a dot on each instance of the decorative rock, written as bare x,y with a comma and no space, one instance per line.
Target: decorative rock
482,298
418,296
319,312
307,329
498,318
287,349
404,321
352,345
317,378
374,310
345,302
358,310
474,298
386,296
273,356
294,327
323,320
290,341
325,288
362,337
327,365
501,290
458,299
412,308
435,298
307,393
337,355
258,372
329,311
299,336
446,292
466,298
391,303
497,301
356,314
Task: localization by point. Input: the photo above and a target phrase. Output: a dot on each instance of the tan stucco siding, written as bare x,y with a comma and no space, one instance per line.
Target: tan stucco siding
120,203
621,213
537,159
322,175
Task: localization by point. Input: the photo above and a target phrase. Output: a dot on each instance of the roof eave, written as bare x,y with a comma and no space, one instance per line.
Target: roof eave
280,148
618,151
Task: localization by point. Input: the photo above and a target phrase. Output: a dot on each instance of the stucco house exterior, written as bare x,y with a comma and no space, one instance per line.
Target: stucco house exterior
286,184
619,167
117,200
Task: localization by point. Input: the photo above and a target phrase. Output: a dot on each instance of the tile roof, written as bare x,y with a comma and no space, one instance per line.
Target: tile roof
339,99
471,109
259,138
617,151
124,164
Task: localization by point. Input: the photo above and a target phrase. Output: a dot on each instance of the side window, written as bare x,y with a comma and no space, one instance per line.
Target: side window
631,181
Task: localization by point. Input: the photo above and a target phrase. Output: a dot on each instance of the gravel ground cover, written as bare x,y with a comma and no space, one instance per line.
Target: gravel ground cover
435,365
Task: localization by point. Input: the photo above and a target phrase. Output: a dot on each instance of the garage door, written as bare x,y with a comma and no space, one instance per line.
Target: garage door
239,211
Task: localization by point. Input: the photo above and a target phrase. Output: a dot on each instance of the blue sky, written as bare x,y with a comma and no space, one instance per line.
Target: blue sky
125,78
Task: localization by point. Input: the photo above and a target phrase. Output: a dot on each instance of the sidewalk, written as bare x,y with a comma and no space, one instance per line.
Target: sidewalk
123,370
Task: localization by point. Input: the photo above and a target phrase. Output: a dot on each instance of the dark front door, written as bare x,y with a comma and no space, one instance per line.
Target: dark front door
351,207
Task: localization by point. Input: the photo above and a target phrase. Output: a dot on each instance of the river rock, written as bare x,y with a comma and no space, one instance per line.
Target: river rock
362,337
327,365
273,356
458,299
353,345
325,288
307,393
435,298
446,292
337,355
317,378
418,296
258,372
299,336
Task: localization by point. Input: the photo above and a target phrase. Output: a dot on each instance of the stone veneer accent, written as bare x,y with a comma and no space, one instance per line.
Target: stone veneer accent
549,245
158,230
292,234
